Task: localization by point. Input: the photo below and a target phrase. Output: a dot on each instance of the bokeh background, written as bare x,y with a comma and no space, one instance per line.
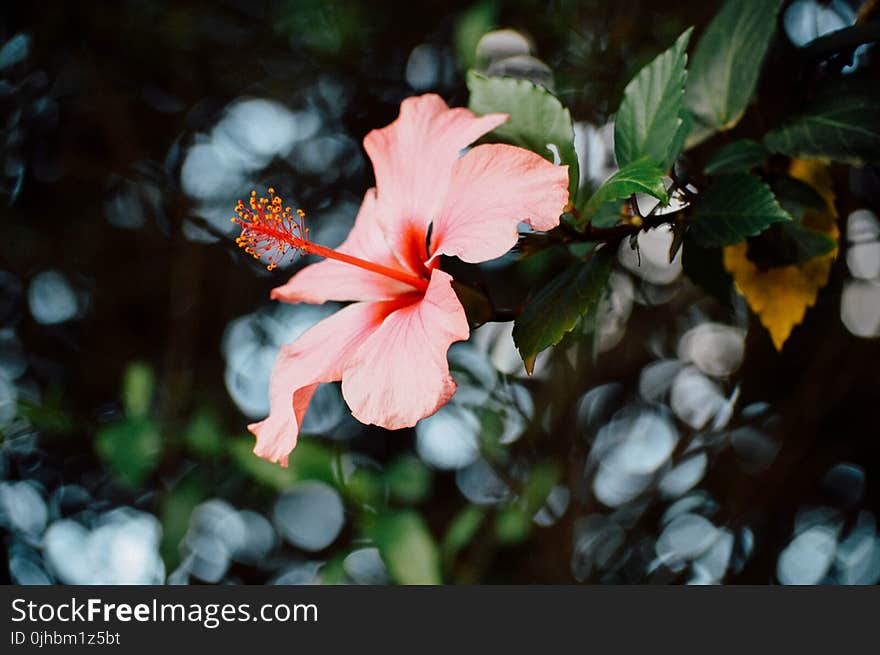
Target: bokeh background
670,444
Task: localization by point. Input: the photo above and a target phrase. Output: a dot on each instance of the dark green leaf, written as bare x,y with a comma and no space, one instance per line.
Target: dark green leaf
514,522
843,125
462,530
735,207
407,548
737,157
699,132
537,117
787,244
476,305
364,487
607,214
679,140
49,414
797,197
409,481
649,118
727,62
542,479
203,435
641,176
556,309
705,268
491,431
176,507
802,243
130,449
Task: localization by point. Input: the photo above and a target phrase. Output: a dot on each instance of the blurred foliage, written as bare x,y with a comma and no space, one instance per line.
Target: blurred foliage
469,29
407,547
314,463
131,448
409,481
514,522
127,400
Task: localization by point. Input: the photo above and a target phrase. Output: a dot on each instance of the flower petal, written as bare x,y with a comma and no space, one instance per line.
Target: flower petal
319,355
400,374
332,280
413,159
493,188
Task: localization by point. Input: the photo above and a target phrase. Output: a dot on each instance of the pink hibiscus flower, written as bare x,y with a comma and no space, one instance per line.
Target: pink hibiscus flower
389,346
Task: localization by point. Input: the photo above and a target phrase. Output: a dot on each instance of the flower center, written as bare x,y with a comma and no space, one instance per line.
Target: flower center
269,229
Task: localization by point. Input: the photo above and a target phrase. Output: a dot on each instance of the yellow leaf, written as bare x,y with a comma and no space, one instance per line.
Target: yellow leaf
780,296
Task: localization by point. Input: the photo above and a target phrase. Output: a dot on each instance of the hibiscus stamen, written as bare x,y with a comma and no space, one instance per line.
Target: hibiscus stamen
272,231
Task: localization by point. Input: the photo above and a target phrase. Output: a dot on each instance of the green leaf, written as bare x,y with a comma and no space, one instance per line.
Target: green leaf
727,62
333,572
705,268
649,117
680,138
409,481
462,530
803,243
790,242
514,522
491,430
310,461
203,435
797,197
470,27
842,125
737,157
364,488
787,244
476,305
537,117
541,481
137,389
606,215
130,448
176,507
407,548
640,176
50,413
556,309
736,206
698,133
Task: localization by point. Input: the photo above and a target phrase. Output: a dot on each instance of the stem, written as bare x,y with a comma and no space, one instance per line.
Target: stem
844,40
566,233
618,233
867,11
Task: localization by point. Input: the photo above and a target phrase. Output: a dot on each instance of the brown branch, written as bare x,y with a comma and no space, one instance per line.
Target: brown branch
867,11
842,41
567,234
